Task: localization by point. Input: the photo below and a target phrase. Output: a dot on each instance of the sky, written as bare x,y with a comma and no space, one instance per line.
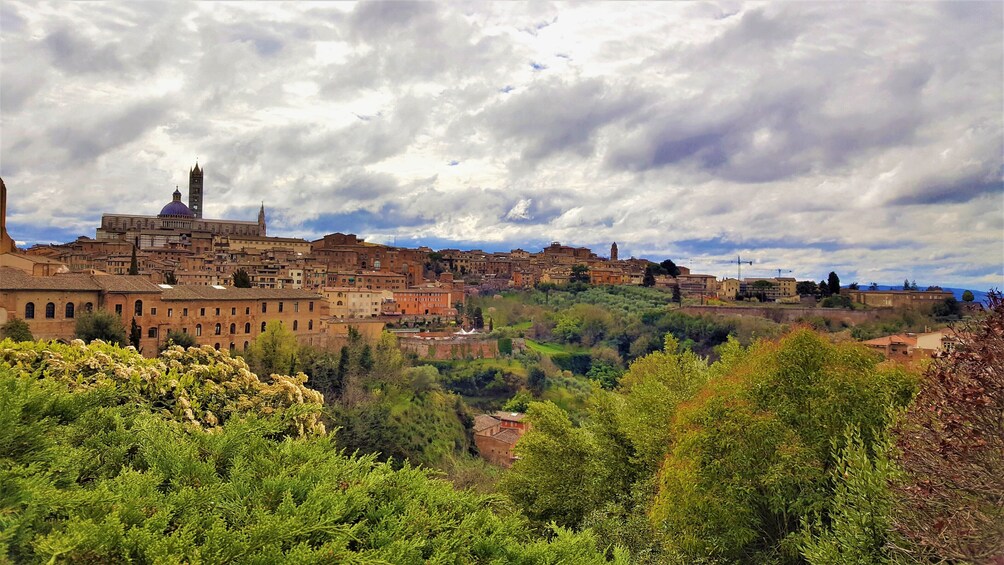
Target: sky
861,138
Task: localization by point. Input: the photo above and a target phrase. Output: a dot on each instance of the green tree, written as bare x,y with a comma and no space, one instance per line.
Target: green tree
241,279
478,320
557,475
873,286
16,329
170,278
536,379
806,288
833,283
580,274
906,284
274,351
853,286
181,339
101,324
133,263
967,296
670,268
649,278
135,334
824,289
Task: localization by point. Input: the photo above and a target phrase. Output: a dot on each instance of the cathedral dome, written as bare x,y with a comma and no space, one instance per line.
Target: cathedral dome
176,208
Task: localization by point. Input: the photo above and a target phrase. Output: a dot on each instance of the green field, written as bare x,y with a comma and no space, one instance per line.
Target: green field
550,348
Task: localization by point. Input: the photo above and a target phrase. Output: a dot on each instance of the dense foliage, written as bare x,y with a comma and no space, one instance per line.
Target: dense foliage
100,463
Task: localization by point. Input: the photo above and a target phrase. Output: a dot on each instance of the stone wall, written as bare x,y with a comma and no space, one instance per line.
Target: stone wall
787,315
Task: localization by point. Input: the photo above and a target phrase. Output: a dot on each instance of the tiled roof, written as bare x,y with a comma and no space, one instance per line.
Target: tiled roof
888,340
483,422
509,436
125,283
198,292
16,279
511,416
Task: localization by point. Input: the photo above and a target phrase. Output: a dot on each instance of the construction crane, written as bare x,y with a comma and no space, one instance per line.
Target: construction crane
779,271
739,266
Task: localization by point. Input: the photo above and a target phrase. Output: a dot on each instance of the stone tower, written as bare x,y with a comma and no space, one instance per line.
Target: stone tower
6,243
195,190
613,251
261,221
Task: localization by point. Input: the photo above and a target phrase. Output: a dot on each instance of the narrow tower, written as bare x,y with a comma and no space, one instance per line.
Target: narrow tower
613,251
195,190
261,221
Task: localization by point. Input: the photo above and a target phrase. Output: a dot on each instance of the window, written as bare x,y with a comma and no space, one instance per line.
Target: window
310,324
69,310
118,309
29,311
184,330
296,306
184,311
138,308
245,346
152,332
339,303
247,328
263,326
50,310
202,311
280,307
219,329
233,312
295,325
170,312
198,329
232,347
217,311
216,346
311,307
233,329
264,307
89,307
153,311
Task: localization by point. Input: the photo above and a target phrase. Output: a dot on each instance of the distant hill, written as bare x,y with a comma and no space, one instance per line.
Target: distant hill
978,294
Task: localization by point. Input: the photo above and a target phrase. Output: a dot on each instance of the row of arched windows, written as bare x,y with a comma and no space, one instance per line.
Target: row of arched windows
50,310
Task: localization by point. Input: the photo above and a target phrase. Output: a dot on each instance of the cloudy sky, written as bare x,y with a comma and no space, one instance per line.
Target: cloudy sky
864,138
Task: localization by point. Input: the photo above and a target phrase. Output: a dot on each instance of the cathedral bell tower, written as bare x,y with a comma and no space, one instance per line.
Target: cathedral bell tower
195,190
261,220
613,251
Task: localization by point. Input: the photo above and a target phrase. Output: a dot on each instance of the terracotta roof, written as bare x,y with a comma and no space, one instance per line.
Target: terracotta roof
509,436
16,279
483,422
199,292
125,283
511,416
888,340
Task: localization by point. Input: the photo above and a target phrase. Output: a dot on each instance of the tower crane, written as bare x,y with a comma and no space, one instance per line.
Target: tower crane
739,266
779,271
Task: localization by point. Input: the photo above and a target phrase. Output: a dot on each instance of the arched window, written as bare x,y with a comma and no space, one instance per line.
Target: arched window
295,325
29,311
138,307
232,347
263,326
50,310
69,310
89,307
339,303
216,346
198,329
247,327
233,329
219,329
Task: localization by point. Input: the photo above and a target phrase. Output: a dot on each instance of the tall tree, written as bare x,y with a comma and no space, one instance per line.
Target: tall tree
824,288
241,279
170,278
833,282
670,268
135,334
133,263
649,278
906,284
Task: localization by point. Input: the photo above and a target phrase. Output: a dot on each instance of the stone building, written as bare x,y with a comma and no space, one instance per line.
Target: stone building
496,435
223,317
